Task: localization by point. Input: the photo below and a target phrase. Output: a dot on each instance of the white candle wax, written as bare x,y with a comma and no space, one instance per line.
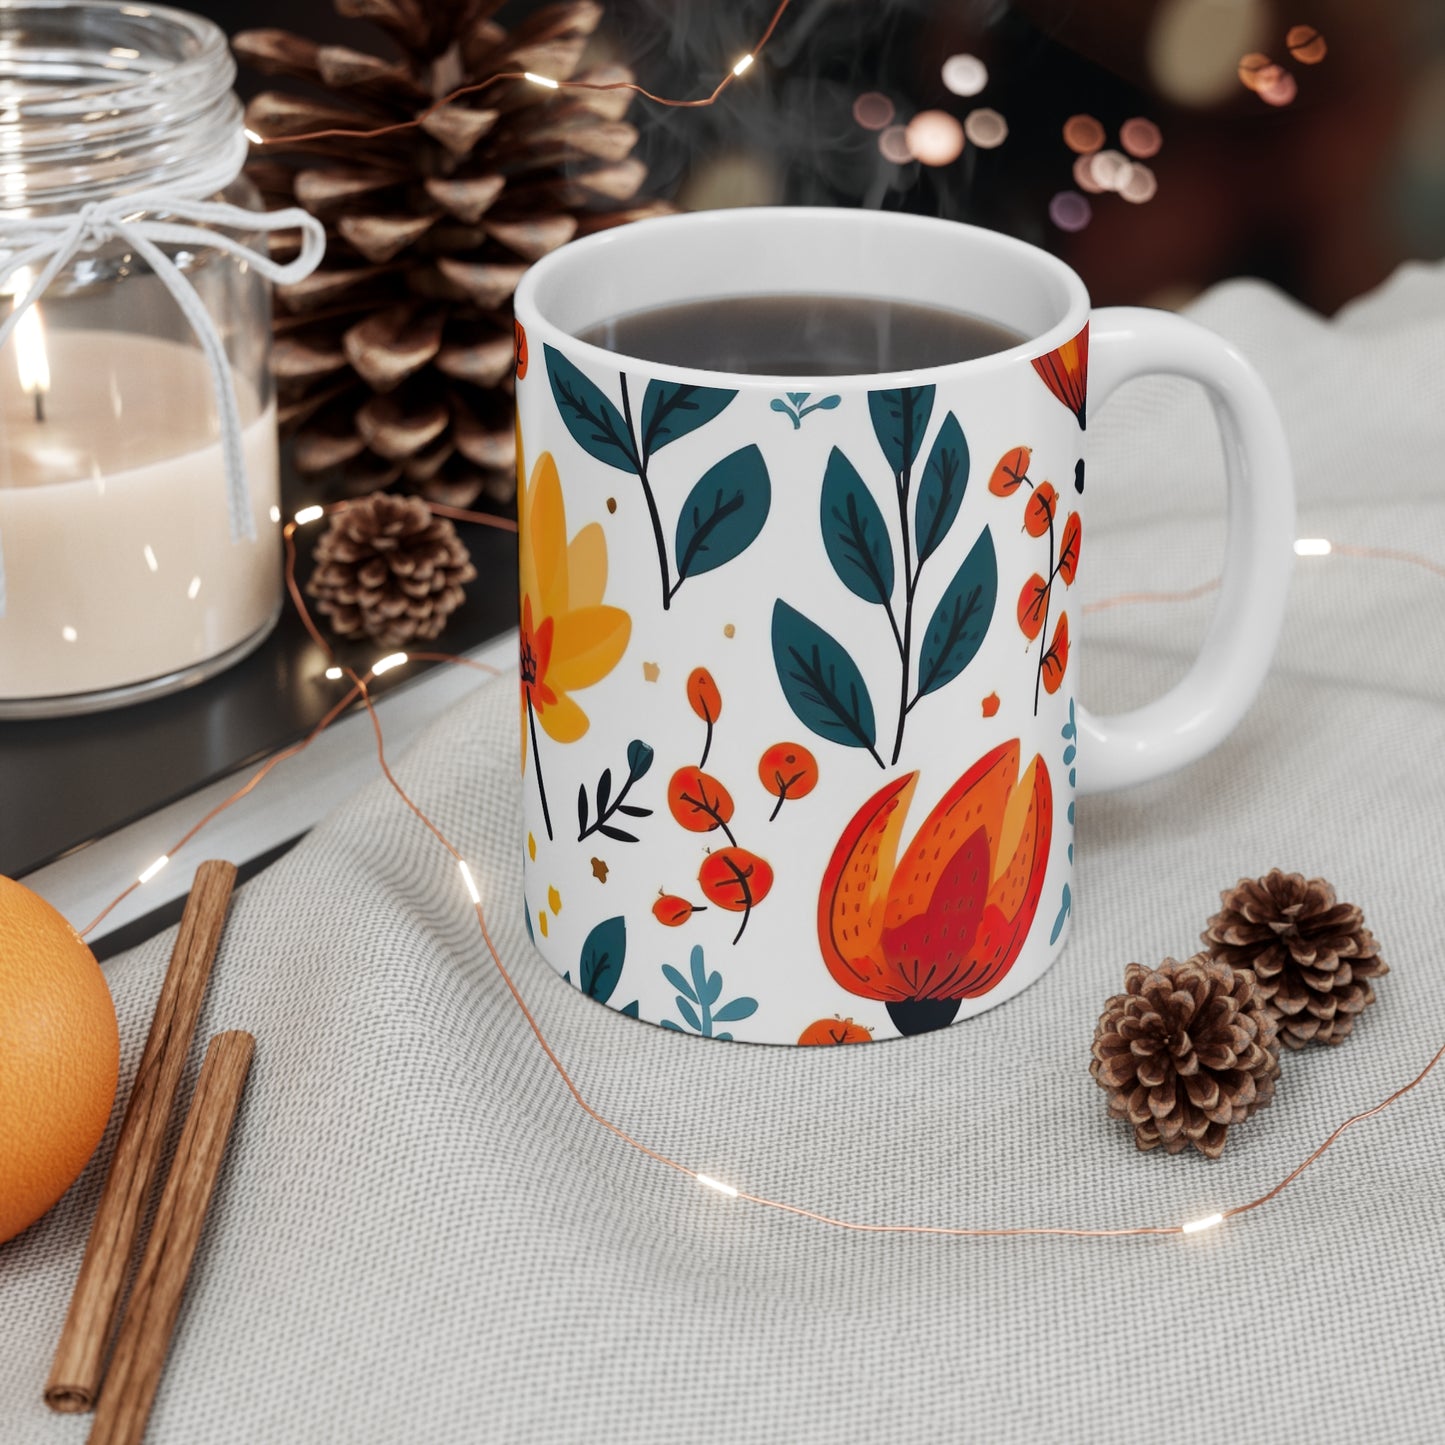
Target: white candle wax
114,522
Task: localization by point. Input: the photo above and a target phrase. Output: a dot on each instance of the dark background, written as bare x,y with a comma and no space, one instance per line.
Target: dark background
1323,196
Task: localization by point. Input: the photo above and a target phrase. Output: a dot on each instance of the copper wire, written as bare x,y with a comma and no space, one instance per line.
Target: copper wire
712,98
359,689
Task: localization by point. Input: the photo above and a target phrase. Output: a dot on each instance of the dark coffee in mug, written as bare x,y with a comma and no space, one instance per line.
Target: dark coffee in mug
801,335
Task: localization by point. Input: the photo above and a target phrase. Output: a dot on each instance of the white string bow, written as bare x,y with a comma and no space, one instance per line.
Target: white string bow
52,242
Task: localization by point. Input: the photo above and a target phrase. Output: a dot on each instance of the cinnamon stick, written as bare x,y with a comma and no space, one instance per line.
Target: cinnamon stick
75,1372
155,1298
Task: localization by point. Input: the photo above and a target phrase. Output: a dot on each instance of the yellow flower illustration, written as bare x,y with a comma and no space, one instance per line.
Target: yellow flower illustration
570,639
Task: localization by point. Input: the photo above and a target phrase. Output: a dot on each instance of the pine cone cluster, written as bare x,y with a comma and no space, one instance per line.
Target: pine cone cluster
1187,1050
387,569
1312,956
394,359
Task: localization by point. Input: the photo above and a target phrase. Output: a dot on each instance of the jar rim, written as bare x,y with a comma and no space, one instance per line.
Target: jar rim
210,46
107,97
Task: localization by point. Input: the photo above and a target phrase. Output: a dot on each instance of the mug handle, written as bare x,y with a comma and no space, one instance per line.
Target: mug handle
1199,711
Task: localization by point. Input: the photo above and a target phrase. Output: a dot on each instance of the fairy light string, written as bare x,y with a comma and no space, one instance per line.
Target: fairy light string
360,691
545,82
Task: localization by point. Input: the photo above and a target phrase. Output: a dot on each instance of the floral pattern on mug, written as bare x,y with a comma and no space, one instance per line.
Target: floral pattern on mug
824,686
945,920
570,639
1065,371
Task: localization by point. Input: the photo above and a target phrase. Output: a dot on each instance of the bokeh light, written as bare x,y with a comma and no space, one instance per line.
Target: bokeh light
893,142
1083,134
1279,88
1194,46
1140,184
1306,44
985,128
1252,66
934,137
1084,175
965,74
1070,211
1140,137
1110,170
873,110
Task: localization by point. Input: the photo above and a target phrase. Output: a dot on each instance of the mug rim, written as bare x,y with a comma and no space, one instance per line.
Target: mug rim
590,249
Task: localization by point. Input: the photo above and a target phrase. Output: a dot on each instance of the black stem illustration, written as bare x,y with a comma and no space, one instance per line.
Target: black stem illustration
707,741
639,461
606,815
537,768
783,785
903,482
702,805
1044,630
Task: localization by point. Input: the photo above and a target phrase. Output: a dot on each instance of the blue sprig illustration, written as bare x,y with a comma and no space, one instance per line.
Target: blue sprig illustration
797,406
696,999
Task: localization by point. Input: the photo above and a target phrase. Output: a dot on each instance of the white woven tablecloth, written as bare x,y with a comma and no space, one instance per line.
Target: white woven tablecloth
419,1238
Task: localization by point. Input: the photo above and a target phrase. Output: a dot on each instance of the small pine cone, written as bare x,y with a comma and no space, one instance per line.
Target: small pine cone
1313,957
1185,1051
388,570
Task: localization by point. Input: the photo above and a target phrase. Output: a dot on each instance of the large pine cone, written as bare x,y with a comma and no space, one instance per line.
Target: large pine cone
1313,957
1187,1050
394,360
388,570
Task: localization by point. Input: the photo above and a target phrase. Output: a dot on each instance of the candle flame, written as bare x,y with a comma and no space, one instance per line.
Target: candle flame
30,355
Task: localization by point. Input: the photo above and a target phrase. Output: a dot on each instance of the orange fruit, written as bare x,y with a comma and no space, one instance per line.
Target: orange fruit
59,1056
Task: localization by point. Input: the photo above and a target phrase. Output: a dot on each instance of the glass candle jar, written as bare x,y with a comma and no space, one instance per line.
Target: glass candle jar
136,561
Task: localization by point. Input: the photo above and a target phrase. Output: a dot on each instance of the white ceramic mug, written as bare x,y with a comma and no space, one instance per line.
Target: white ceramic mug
800,741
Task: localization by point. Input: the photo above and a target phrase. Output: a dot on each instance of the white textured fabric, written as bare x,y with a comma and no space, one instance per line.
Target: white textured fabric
419,1237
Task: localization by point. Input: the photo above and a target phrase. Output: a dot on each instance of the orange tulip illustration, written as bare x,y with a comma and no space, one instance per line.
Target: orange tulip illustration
1065,371
569,639
946,920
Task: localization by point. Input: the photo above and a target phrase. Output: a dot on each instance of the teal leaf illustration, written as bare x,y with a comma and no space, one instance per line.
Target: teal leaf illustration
678,981
821,681
723,513
900,417
1068,903
527,919
855,533
689,1013
961,619
603,954
630,1009
945,478
671,409
596,425
739,1008
675,1027
699,978
639,759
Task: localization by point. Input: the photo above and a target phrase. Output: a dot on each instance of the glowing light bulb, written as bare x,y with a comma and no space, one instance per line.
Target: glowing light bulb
1196,1226
256,140
742,64
385,664
469,880
708,1182
275,513
309,514
333,673
543,80
154,868
1313,547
